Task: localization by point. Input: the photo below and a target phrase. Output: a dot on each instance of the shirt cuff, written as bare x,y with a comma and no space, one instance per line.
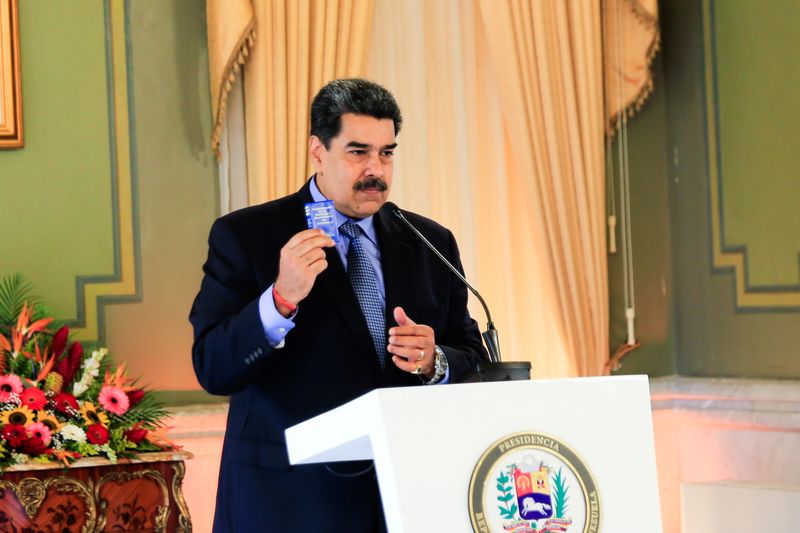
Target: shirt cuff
275,325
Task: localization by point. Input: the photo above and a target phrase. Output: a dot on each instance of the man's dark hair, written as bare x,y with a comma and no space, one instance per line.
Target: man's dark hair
358,96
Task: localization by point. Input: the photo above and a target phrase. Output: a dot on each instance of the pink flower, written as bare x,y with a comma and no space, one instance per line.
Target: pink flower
34,398
40,431
114,400
9,384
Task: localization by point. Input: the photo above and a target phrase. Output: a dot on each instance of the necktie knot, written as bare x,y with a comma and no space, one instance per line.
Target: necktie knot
350,229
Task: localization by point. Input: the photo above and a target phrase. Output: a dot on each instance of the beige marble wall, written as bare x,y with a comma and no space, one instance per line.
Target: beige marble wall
200,429
723,429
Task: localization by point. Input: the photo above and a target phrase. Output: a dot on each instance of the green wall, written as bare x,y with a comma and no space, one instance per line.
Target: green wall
177,177
741,55
58,219
651,236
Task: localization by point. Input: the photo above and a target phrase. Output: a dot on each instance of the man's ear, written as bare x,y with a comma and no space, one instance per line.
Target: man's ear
315,149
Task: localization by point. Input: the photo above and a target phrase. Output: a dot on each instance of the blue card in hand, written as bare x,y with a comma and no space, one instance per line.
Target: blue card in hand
322,215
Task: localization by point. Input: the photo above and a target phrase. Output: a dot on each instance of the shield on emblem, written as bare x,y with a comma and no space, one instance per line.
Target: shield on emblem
533,494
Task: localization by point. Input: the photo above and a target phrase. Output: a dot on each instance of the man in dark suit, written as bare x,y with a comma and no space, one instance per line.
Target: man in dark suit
291,324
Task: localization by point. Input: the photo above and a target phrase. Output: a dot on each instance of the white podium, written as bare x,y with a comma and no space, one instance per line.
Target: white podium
571,455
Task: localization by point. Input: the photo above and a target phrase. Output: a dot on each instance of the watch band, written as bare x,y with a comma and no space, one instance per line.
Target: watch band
439,364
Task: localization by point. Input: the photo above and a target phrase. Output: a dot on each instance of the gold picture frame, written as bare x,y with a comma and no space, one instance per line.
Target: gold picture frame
10,86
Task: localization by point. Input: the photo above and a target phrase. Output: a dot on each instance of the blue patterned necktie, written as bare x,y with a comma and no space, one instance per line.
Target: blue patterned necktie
362,278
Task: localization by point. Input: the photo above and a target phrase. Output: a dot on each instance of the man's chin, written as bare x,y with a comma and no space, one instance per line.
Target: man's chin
366,208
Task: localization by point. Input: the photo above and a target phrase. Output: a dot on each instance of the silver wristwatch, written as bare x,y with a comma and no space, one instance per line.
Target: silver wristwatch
439,366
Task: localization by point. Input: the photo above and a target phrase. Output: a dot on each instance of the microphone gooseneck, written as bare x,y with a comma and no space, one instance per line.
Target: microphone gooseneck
490,336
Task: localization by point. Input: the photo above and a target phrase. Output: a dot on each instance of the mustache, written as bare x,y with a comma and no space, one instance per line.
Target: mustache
371,182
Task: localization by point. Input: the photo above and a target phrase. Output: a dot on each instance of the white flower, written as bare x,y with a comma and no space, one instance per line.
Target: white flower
73,433
98,355
91,364
79,387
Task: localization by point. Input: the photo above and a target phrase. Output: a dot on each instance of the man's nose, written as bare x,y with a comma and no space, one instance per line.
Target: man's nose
375,165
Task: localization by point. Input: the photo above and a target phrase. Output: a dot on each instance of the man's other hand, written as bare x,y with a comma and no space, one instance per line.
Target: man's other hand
412,345
302,260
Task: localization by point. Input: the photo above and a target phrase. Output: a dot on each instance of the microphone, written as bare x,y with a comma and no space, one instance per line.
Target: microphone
490,336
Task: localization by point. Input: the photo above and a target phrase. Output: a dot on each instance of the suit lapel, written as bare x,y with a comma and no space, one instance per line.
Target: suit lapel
334,285
397,258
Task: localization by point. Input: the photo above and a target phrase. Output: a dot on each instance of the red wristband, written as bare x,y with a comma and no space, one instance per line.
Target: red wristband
283,301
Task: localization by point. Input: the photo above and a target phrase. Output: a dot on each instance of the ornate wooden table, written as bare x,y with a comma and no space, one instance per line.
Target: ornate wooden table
93,495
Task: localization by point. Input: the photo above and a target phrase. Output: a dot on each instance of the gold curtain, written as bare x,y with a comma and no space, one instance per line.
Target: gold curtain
302,45
631,40
231,34
548,54
455,164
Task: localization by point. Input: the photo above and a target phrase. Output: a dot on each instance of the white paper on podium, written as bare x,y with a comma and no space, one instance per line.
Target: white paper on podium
426,442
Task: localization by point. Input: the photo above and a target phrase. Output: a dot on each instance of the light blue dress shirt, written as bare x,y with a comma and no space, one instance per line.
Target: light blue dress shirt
276,326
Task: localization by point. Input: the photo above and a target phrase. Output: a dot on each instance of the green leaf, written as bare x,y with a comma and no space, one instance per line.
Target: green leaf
505,498
14,292
560,496
507,513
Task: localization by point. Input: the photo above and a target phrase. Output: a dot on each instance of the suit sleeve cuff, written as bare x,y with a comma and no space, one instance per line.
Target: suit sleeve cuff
276,326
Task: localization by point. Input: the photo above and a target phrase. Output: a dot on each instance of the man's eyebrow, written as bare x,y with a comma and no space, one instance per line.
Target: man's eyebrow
356,144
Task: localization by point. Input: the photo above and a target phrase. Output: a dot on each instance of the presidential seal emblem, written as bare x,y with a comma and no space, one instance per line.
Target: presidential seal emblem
533,483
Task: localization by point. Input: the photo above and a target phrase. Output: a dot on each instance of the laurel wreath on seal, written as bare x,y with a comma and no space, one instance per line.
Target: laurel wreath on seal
560,496
507,507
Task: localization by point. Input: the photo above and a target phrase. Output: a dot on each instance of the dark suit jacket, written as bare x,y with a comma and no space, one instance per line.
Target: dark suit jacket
328,359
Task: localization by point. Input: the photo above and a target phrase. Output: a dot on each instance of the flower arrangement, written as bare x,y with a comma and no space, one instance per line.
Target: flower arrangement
60,402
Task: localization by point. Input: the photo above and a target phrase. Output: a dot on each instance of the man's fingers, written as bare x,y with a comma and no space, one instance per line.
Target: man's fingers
414,330
410,353
401,317
409,341
318,266
314,243
299,238
314,255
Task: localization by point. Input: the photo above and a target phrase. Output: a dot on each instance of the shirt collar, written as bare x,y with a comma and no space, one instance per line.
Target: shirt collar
367,224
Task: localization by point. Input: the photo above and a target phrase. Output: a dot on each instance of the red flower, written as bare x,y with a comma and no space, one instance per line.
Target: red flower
97,434
60,340
33,446
135,396
34,398
136,435
14,434
70,363
64,402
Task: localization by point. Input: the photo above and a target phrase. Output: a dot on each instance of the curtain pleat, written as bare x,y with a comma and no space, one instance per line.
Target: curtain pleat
547,51
307,43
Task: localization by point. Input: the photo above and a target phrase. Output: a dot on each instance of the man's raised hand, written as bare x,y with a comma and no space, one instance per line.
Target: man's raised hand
302,260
